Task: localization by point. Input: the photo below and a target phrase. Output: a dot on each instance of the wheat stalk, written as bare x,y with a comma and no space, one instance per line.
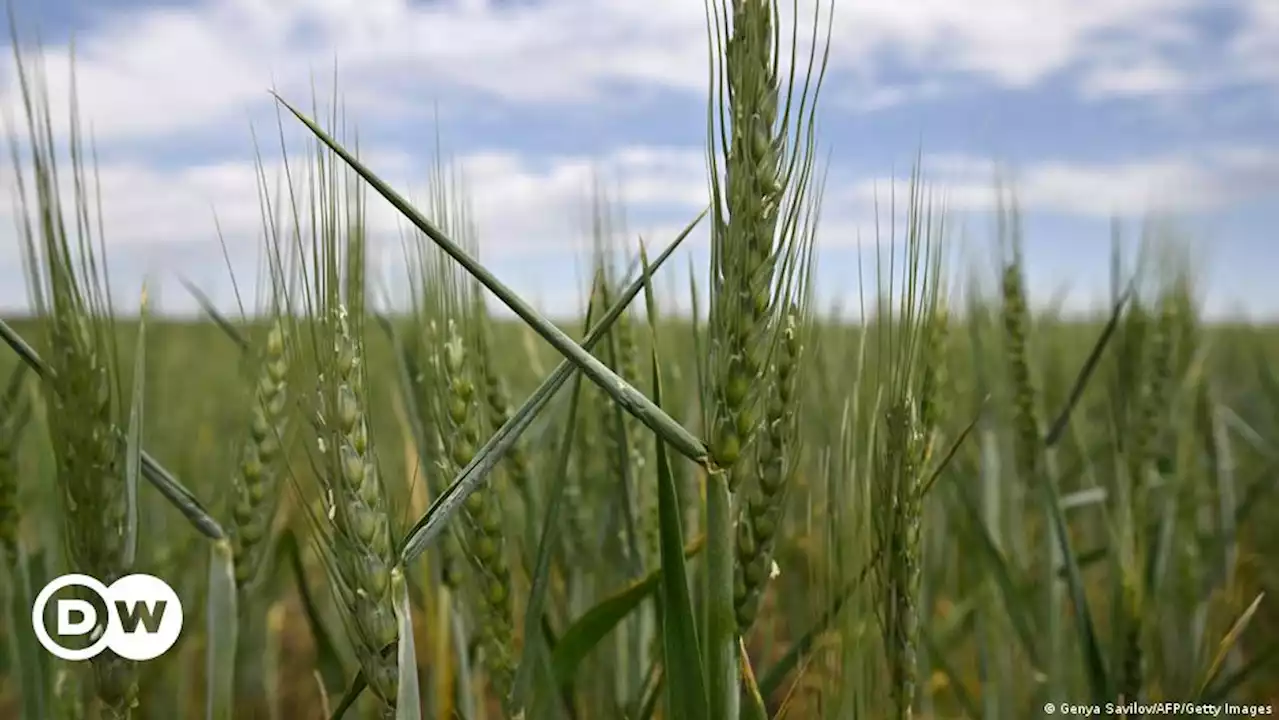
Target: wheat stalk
84,396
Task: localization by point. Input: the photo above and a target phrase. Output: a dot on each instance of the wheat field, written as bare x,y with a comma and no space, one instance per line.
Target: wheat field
945,502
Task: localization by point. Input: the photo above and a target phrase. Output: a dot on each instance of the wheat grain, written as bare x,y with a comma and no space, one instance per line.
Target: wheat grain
744,255
484,541
360,541
256,484
775,462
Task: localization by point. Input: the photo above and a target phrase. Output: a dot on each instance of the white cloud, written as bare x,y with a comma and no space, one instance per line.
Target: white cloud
1143,78
1254,50
1011,42
150,70
179,73
534,208
870,98
1176,183
160,221
146,70
520,203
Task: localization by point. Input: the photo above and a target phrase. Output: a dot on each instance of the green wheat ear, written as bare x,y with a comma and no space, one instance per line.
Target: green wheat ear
256,482
911,319
484,540
360,539
86,404
465,389
758,213
776,462
761,221
354,538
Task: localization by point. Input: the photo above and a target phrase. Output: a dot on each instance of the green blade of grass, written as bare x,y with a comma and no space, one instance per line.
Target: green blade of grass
1228,641
179,496
408,703
686,681
588,630
133,440
495,448
463,680
753,705
1264,659
1086,371
1095,668
224,324
1003,572
351,696
648,690
622,392
535,644
28,659
222,620
623,511
653,693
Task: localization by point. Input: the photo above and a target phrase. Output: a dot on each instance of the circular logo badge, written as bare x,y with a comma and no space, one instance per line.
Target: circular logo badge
143,617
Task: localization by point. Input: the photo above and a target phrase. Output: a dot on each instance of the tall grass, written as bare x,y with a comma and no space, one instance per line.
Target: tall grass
948,505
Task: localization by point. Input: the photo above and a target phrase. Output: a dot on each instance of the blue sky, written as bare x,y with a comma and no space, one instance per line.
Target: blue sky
1093,108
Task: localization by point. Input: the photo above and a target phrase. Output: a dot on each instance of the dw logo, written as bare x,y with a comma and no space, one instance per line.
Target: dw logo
144,617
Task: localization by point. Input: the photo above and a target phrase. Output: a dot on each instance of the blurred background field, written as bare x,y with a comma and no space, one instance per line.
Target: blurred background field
1215,449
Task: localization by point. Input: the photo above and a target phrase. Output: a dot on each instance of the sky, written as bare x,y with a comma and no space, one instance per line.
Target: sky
1159,114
